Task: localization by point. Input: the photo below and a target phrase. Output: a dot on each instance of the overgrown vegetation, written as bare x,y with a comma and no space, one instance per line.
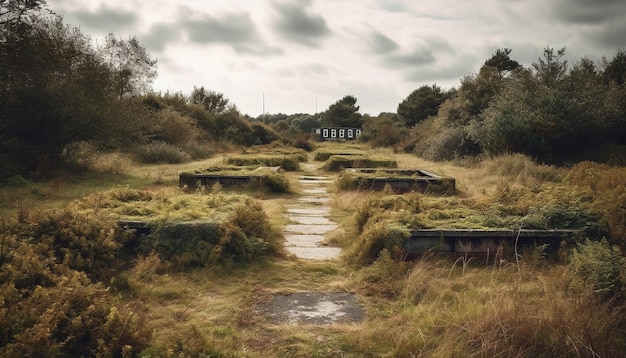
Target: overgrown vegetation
73,282
286,162
553,112
337,162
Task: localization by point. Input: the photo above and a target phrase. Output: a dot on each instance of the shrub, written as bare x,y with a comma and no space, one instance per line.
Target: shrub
520,166
286,162
600,265
271,182
376,209
378,237
54,302
338,162
198,150
450,143
161,152
303,141
175,128
244,236
324,155
255,224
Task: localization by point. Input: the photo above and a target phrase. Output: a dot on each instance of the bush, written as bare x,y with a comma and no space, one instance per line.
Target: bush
602,266
338,162
175,128
520,166
274,183
255,224
244,237
286,162
376,238
198,150
303,141
450,143
161,152
324,155
54,302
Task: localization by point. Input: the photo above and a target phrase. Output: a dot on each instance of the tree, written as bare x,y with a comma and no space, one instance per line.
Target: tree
213,102
501,61
421,104
552,68
131,66
615,69
14,11
343,113
55,90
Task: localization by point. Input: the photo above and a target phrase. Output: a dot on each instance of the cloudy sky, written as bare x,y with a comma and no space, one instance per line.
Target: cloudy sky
299,56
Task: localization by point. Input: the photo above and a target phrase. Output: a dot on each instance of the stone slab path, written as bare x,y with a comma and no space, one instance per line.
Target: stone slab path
305,235
309,221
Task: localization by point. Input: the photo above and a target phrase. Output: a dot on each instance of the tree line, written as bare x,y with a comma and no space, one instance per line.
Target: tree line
60,93
551,111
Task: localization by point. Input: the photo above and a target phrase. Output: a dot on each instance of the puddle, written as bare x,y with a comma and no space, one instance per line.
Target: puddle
312,308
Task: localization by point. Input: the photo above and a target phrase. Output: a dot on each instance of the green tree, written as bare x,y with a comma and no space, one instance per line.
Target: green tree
501,61
421,104
551,69
54,92
343,113
213,102
131,67
615,69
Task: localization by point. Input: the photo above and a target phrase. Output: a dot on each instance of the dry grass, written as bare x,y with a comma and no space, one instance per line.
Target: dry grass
432,307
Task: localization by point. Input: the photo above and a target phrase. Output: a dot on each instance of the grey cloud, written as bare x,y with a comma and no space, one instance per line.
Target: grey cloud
423,54
589,11
612,36
418,57
392,5
235,30
105,19
382,44
441,75
159,36
297,25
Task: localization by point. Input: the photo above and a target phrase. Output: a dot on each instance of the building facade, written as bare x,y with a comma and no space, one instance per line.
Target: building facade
337,133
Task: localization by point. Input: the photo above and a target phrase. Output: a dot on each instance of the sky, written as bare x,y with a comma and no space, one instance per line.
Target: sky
301,56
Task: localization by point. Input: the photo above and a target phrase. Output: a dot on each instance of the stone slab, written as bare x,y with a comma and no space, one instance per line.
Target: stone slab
313,199
309,229
303,240
310,220
305,211
315,253
316,308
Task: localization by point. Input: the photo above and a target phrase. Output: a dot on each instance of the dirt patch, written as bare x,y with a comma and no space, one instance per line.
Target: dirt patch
319,308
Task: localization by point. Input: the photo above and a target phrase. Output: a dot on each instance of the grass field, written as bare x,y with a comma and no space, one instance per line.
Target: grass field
432,307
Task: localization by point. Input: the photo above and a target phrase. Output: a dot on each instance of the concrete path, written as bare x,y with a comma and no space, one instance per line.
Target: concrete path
309,222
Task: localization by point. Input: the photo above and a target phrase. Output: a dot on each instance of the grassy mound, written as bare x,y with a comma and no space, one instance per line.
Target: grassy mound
289,162
338,162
